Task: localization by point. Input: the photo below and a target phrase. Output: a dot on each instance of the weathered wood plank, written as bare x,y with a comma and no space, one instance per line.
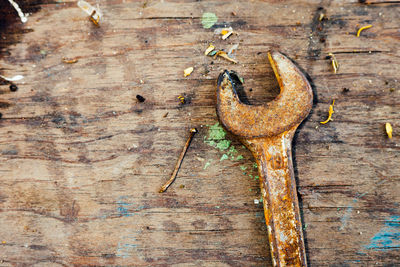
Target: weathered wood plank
82,159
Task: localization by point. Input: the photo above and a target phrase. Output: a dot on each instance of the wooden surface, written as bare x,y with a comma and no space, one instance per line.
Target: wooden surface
82,160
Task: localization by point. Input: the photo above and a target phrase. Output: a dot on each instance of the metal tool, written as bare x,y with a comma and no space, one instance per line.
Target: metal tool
267,131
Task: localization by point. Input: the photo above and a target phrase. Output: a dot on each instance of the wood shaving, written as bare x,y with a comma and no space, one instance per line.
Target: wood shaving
224,55
69,61
335,63
209,49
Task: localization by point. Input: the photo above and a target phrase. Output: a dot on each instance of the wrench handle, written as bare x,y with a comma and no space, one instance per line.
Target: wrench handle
281,207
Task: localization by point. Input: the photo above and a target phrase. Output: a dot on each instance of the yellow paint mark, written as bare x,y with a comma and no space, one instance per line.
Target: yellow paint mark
389,130
188,71
330,113
363,28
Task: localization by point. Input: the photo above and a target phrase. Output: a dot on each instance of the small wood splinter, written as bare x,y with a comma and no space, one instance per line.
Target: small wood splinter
335,64
178,164
69,61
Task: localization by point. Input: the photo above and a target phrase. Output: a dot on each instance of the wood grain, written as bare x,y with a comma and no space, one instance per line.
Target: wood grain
82,160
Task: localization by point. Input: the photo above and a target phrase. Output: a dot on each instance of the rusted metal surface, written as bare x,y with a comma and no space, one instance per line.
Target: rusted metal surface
267,130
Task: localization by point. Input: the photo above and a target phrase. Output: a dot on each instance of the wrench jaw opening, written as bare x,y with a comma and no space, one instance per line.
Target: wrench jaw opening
286,111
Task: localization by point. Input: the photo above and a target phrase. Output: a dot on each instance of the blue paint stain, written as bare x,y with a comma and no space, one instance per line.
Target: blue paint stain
124,250
388,237
123,209
347,215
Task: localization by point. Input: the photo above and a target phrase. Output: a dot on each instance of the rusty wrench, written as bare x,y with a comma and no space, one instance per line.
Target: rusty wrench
267,131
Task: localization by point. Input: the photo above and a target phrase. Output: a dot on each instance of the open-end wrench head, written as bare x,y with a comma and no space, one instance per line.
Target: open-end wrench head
285,112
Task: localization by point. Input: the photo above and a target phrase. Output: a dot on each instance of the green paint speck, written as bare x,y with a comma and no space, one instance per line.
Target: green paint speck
255,165
256,177
216,132
239,157
208,163
212,53
223,144
232,150
216,138
224,157
208,20
243,168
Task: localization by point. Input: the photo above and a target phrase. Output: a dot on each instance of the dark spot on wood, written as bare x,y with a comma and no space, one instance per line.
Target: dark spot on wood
83,159
108,255
36,52
97,32
199,224
59,119
205,69
11,152
40,97
171,226
345,90
337,21
4,105
318,32
13,88
360,11
238,23
140,98
37,247
362,1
